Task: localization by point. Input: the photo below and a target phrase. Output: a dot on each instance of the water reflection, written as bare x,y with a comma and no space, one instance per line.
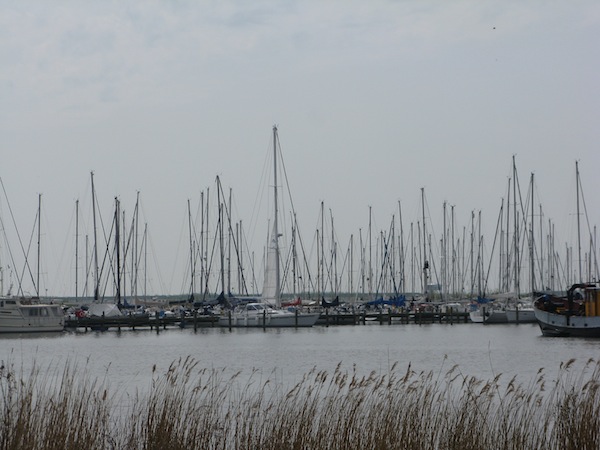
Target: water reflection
126,357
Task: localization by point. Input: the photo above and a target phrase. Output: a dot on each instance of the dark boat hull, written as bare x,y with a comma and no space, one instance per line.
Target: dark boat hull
557,325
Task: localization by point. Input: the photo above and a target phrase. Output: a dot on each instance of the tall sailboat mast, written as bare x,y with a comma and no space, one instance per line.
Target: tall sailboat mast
118,249
97,278
39,237
578,222
531,245
192,265
77,248
516,236
275,223
425,261
221,243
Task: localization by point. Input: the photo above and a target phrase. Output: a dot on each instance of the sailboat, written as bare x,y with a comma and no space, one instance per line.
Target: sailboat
268,311
518,309
508,306
20,314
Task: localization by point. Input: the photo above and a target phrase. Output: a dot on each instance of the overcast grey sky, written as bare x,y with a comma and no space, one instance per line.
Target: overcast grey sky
373,100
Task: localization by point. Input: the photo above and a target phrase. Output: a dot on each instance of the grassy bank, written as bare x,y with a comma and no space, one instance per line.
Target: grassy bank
189,407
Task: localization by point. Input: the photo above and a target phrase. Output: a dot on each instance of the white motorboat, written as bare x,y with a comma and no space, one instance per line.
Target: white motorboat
29,315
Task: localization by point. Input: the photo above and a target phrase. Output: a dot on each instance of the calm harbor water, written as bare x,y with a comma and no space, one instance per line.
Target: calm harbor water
125,359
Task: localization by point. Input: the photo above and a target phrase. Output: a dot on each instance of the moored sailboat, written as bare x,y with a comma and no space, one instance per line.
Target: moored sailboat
520,311
268,311
487,311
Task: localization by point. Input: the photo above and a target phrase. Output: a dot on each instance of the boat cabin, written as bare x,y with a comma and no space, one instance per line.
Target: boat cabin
591,301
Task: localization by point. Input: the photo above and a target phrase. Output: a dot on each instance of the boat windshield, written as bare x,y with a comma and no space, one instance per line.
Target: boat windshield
255,307
258,307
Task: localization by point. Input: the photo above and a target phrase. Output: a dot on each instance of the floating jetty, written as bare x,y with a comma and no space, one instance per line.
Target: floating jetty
133,321
387,317
327,318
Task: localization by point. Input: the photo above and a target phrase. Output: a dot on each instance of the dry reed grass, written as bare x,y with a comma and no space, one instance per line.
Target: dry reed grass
189,407
53,410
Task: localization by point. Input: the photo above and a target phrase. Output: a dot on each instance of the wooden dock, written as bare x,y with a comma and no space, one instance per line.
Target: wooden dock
135,321
327,318
389,318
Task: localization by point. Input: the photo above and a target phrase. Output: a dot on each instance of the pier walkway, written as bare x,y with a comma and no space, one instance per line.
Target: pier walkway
327,318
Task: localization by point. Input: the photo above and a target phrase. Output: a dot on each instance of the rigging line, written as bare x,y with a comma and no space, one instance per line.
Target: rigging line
345,260
209,268
304,258
432,262
107,259
178,250
65,247
26,265
498,224
587,220
525,236
432,232
154,254
130,235
387,260
243,244
19,280
285,177
231,230
261,197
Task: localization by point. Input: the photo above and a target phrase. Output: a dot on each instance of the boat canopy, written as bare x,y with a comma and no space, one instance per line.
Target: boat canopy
397,301
104,309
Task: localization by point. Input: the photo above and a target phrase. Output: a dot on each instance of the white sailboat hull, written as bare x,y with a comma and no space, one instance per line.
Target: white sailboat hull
521,315
484,315
268,317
